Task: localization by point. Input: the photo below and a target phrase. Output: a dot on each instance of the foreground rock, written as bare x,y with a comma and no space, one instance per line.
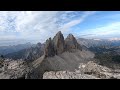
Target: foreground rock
89,70
14,70
66,75
92,68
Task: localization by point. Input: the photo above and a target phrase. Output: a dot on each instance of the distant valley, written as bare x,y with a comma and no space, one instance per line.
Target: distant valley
14,48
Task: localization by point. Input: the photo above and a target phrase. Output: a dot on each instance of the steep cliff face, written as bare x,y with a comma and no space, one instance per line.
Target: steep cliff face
60,54
58,45
49,48
71,43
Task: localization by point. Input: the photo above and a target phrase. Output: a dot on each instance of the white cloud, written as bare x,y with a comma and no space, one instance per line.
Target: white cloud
72,23
28,24
42,25
116,39
37,25
9,37
109,30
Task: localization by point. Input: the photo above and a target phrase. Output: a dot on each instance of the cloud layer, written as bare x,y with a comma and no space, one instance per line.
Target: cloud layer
108,31
37,26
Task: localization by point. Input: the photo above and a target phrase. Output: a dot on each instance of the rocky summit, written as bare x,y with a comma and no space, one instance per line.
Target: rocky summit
71,43
59,55
49,48
58,45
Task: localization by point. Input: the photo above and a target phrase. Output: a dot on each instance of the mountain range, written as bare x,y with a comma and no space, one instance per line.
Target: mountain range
65,55
56,54
60,54
31,52
98,42
14,48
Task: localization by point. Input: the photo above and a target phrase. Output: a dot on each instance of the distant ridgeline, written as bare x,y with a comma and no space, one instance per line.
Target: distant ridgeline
30,53
14,48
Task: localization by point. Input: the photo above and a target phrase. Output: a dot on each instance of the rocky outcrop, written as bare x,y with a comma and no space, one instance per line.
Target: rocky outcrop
13,69
94,69
58,45
49,48
67,75
1,61
66,61
71,43
58,42
90,70
55,46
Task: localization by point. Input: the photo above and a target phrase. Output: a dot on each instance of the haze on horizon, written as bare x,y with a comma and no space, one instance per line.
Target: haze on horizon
37,26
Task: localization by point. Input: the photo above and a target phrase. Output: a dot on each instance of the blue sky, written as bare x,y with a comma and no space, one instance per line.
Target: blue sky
37,26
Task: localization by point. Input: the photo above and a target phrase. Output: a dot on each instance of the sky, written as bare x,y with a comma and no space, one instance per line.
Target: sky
37,26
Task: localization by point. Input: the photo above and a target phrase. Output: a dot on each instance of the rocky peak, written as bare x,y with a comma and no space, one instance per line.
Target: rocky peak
70,36
39,44
58,45
49,48
59,33
58,42
71,43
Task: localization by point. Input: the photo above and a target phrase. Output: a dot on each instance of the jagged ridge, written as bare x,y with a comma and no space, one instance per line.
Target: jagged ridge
58,45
